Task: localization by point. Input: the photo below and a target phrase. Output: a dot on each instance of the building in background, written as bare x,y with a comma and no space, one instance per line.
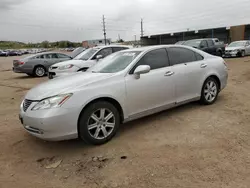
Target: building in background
96,42
226,34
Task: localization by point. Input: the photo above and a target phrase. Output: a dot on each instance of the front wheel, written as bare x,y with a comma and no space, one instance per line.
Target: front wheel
243,54
98,123
209,91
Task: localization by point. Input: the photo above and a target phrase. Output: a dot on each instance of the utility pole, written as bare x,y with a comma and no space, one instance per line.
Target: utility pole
104,29
119,38
142,28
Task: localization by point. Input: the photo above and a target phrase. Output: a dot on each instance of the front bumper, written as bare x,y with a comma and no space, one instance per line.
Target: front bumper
52,75
53,124
231,54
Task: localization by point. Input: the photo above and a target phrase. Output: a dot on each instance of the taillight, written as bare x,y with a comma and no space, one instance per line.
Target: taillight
20,63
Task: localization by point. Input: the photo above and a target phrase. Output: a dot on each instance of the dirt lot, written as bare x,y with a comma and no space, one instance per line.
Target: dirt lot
190,146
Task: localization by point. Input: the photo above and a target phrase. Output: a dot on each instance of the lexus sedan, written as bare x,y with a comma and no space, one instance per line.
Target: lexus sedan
238,49
38,65
125,86
84,60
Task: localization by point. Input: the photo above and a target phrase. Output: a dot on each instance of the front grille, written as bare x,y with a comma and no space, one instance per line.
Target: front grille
228,51
26,104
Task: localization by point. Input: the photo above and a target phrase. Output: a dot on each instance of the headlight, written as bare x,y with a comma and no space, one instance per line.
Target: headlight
66,67
52,102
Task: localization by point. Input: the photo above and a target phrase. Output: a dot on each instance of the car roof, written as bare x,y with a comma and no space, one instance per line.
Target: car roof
101,47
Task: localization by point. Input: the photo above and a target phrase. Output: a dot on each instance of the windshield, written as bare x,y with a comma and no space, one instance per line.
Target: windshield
86,54
115,62
237,44
193,43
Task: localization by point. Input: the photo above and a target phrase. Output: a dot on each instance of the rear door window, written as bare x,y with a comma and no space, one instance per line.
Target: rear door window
210,43
179,55
117,49
204,44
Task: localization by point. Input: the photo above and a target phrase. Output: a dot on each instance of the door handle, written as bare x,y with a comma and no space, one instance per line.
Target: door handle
169,73
45,61
203,65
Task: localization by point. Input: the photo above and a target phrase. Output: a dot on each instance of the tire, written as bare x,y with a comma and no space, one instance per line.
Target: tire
92,115
83,69
39,71
209,93
242,54
219,53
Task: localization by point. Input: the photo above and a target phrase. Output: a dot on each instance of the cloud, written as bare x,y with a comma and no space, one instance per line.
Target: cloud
77,20
8,4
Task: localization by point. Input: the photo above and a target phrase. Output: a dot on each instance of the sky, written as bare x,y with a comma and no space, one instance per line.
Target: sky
79,20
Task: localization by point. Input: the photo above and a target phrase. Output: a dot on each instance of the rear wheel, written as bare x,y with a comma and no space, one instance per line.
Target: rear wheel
98,123
39,71
209,91
219,53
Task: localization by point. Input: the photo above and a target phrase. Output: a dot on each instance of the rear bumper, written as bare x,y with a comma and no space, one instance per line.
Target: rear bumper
22,70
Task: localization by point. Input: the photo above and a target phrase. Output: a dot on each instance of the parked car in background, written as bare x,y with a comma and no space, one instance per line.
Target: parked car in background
124,86
83,61
212,46
37,65
14,53
77,51
180,42
238,49
3,53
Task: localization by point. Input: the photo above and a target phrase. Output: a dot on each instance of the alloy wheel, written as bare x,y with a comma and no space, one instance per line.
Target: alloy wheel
210,91
40,71
101,123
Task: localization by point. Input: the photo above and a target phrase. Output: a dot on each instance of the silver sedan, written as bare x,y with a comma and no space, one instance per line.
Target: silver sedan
125,86
38,65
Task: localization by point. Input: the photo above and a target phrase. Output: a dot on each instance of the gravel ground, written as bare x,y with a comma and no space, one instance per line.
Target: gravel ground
189,146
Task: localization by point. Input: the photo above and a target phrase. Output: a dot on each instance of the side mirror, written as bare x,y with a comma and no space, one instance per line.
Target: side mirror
98,57
141,69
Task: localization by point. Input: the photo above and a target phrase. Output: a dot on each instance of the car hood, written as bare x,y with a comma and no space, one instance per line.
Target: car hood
73,62
234,48
65,84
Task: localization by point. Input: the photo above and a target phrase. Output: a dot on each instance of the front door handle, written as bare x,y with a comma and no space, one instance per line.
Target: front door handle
169,73
203,65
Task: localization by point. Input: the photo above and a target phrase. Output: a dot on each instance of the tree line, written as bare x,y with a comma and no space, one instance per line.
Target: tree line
44,44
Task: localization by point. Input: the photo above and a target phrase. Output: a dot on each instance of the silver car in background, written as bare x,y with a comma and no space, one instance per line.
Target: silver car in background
238,49
83,61
38,65
125,86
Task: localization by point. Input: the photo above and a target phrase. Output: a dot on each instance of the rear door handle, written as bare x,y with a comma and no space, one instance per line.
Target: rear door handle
203,65
169,73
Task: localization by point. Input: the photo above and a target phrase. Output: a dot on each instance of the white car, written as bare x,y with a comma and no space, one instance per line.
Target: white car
83,61
238,49
124,86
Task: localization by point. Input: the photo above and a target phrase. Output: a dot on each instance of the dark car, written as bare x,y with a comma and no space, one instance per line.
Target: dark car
14,53
212,46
